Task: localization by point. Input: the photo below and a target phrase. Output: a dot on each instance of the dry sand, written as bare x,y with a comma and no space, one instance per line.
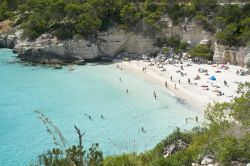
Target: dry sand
193,93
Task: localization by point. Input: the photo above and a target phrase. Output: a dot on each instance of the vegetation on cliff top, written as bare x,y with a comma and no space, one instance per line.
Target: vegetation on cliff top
66,18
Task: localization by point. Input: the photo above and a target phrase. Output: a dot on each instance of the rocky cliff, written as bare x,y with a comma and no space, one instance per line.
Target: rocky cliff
48,48
236,56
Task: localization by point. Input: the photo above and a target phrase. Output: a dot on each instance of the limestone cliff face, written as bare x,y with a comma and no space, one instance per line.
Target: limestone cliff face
115,41
48,47
236,56
189,31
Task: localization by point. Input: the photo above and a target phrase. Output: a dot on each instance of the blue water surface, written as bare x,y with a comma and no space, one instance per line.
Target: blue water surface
65,96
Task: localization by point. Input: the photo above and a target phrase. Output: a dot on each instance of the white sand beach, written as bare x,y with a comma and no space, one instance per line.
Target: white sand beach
198,92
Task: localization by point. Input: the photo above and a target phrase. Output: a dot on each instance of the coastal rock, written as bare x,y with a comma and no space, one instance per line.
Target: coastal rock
247,60
208,159
107,44
116,40
236,56
48,47
7,41
174,147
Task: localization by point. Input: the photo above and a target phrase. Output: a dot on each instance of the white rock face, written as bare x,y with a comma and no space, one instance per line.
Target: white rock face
247,63
115,41
109,43
236,56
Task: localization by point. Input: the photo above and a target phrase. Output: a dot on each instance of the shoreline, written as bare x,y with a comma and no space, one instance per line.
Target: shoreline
198,93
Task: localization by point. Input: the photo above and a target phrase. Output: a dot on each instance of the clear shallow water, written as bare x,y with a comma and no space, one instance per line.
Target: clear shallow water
66,96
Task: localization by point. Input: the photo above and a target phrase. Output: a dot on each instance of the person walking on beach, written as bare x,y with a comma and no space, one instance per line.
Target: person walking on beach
166,84
179,81
174,86
120,79
171,78
189,81
196,118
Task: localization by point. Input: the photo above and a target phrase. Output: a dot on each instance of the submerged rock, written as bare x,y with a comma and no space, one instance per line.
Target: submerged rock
58,67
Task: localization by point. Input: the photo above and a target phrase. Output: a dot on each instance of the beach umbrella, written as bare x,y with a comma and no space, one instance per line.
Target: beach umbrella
212,78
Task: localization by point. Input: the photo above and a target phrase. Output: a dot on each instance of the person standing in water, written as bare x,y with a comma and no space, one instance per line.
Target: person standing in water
142,129
127,91
102,116
155,95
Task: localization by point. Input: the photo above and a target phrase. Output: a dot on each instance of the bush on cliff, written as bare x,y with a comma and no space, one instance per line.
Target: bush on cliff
202,51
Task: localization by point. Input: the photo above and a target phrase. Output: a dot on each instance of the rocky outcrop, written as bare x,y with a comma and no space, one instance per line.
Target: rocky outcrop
48,49
174,147
115,41
190,31
7,41
236,56
247,60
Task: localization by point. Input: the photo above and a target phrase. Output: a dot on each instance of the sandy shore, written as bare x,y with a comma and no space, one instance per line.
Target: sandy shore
198,93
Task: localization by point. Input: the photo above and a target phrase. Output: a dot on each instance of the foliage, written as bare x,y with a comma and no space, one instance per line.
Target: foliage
202,51
172,42
77,17
129,15
67,156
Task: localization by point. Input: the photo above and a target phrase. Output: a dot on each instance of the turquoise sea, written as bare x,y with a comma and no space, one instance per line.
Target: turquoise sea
65,96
